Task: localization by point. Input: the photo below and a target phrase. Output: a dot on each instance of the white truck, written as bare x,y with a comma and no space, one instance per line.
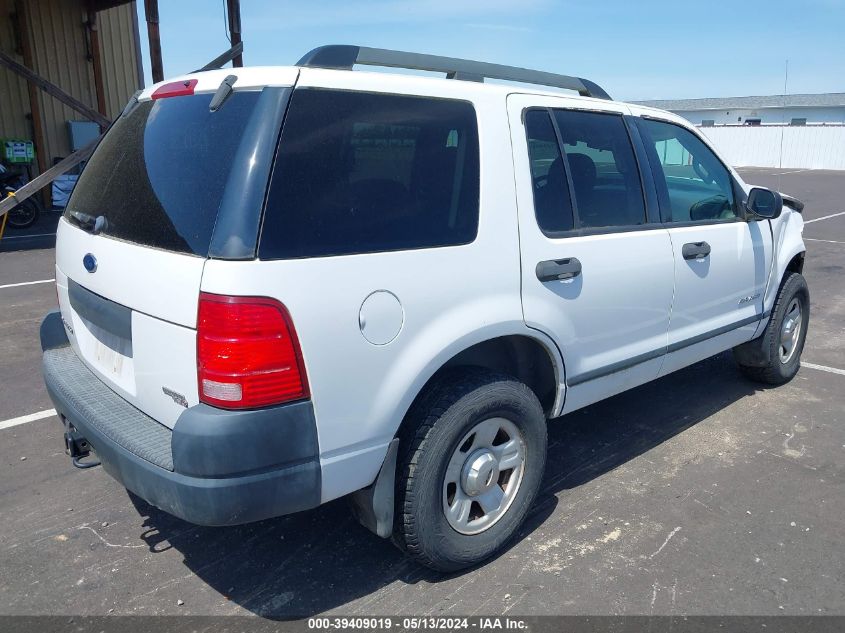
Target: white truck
280,286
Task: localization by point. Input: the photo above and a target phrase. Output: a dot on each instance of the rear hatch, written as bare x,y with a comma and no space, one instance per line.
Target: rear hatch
171,184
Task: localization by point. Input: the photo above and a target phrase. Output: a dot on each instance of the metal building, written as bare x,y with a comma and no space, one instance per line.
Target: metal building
803,131
89,49
797,109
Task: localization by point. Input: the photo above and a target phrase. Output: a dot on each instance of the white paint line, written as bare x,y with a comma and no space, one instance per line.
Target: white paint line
668,538
27,283
824,217
783,173
32,417
23,237
813,239
107,544
830,370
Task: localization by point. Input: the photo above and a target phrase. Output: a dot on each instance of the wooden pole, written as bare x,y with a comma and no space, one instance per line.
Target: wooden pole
34,105
38,137
156,65
234,10
97,61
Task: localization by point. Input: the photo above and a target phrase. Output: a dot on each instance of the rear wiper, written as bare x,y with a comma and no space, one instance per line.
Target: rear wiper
88,222
224,91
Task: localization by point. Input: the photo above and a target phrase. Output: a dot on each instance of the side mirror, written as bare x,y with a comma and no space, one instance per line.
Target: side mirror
763,204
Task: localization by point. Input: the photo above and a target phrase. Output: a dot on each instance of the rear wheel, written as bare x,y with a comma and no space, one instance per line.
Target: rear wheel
783,339
472,455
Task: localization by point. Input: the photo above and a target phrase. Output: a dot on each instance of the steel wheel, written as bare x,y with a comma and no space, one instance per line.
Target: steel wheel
790,331
483,475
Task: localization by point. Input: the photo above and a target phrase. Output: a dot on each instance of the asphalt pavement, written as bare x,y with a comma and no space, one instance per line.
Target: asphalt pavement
700,493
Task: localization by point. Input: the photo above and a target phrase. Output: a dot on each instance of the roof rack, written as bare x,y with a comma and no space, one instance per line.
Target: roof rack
344,57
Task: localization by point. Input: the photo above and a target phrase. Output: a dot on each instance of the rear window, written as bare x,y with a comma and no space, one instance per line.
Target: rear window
159,174
363,172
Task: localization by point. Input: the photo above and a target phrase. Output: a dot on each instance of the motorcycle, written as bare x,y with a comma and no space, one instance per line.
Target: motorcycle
27,212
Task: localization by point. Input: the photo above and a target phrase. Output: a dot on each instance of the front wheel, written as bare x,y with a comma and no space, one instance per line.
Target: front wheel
472,456
783,339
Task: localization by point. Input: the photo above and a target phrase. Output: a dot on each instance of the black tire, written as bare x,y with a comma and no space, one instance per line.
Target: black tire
777,371
441,418
24,215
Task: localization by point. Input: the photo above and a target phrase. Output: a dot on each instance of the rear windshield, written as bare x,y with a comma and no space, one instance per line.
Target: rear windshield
159,174
361,172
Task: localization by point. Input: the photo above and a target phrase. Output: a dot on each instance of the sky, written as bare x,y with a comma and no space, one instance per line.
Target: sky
635,49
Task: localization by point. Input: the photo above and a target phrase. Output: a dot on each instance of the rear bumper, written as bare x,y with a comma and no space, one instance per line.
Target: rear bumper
214,468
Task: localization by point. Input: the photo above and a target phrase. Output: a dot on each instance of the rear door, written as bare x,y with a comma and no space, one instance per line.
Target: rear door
137,232
721,261
596,264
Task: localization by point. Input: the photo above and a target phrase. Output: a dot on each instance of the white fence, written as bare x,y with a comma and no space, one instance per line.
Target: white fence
804,147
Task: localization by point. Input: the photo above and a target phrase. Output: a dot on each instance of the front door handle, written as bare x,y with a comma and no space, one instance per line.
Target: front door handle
695,250
558,269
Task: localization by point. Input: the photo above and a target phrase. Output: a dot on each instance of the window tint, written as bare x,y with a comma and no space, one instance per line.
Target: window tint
552,204
699,186
604,171
158,175
361,172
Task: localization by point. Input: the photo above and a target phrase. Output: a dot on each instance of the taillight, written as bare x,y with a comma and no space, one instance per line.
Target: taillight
247,353
175,89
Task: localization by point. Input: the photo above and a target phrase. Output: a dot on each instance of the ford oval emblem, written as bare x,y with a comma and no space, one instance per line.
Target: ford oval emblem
90,262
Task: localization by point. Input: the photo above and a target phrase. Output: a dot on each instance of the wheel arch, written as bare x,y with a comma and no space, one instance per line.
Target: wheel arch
789,253
531,358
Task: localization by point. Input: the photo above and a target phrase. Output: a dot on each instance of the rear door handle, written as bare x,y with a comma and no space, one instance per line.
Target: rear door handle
558,269
695,250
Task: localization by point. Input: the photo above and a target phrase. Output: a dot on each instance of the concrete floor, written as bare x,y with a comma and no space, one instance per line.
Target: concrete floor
701,493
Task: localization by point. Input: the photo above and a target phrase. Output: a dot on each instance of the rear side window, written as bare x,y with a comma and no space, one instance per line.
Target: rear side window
363,172
552,203
603,168
158,175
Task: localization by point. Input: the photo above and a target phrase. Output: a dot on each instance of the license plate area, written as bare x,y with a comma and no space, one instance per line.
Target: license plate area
104,336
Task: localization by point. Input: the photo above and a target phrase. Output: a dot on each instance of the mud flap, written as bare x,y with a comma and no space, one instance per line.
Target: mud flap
373,505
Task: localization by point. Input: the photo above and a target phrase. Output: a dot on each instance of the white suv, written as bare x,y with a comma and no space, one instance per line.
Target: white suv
279,286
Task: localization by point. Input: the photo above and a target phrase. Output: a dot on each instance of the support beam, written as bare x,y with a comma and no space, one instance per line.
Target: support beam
156,65
234,10
97,62
47,177
39,139
53,90
223,58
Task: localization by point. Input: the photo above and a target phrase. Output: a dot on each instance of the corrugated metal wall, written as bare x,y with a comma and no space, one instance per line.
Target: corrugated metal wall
120,69
60,54
57,33
810,147
14,98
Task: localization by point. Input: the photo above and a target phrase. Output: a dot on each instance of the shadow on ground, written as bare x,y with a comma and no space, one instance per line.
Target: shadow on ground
315,561
42,234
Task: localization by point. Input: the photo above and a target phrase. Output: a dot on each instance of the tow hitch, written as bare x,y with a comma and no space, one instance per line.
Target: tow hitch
77,447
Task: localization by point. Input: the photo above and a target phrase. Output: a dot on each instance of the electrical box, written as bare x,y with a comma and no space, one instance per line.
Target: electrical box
81,133
17,151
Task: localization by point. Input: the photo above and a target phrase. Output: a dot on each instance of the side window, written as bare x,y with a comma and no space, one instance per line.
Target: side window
699,186
604,170
552,204
361,172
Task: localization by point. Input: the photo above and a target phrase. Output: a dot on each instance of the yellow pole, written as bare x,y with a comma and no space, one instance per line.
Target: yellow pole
5,217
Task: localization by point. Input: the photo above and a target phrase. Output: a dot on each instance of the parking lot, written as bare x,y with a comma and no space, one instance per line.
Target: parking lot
700,493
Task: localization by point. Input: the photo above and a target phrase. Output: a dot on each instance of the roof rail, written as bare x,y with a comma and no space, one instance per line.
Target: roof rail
344,57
